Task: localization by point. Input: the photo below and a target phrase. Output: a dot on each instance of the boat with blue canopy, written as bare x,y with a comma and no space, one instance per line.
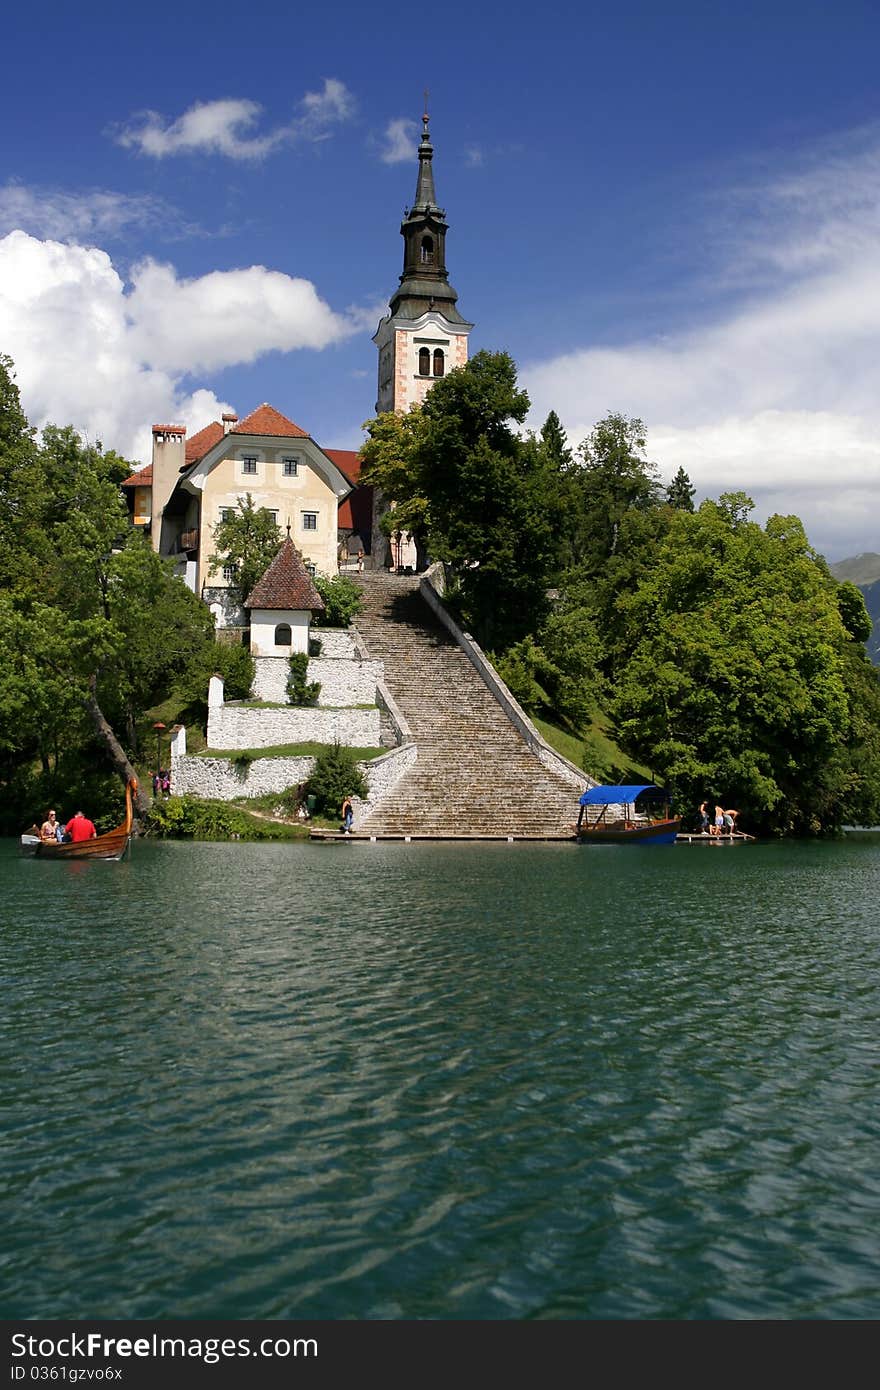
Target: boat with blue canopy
611,816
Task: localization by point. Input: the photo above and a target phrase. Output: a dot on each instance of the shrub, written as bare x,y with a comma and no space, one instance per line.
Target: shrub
335,776
234,663
342,600
186,817
299,690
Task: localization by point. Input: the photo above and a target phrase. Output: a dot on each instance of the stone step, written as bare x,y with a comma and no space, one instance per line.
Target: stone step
475,774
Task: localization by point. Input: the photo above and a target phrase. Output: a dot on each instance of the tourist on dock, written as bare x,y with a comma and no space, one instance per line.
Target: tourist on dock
718,827
79,828
704,817
50,827
730,821
347,815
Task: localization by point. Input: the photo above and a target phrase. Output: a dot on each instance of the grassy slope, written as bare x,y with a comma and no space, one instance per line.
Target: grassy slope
582,751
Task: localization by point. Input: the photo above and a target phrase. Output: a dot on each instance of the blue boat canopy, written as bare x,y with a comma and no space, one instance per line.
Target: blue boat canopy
608,796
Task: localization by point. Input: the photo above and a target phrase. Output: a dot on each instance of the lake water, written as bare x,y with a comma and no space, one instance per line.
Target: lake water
438,1081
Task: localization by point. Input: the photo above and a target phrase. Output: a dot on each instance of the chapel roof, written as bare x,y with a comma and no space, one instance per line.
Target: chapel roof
286,585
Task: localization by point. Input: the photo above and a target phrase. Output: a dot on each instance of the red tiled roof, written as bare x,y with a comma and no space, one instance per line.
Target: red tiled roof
349,460
267,420
286,584
142,478
169,429
200,443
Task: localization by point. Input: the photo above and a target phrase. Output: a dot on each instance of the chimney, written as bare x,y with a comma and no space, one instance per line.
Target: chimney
169,457
230,420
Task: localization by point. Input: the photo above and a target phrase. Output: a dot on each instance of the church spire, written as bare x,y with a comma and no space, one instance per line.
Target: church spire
425,198
424,284
423,336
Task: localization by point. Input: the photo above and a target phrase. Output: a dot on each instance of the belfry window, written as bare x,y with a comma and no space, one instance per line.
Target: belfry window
439,364
283,636
426,251
424,361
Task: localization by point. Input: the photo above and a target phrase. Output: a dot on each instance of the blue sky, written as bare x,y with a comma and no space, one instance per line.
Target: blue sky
669,211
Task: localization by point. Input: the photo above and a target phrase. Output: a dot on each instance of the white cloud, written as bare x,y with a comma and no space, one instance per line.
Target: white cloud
112,359
228,126
401,141
59,215
781,396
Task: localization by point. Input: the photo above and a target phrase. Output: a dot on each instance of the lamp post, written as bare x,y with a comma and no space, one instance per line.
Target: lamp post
159,726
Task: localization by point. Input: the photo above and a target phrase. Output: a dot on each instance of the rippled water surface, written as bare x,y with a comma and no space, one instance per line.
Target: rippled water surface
408,1081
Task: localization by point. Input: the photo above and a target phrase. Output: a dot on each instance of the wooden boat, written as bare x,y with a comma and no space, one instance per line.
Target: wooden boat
619,823
112,845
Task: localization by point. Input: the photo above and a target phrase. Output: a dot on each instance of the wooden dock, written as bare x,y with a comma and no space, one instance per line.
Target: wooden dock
698,837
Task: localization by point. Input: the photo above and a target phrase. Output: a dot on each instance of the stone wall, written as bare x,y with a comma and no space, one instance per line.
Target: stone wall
345,674
217,779
237,726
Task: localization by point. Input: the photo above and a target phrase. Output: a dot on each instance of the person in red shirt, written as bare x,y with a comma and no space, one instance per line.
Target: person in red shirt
79,827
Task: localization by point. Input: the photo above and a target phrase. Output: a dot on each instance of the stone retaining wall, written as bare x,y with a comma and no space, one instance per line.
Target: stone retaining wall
344,680
236,726
217,779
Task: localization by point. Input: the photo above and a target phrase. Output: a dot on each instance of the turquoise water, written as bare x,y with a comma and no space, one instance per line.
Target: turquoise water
412,1081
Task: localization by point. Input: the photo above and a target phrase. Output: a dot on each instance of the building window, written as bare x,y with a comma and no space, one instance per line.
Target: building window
311,569
227,513
426,251
289,467
230,573
439,365
249,463
283,636
424,362
310,521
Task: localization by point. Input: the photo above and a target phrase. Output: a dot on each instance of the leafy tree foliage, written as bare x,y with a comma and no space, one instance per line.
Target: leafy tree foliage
487,500
246,541
232,661
611,479
335,776
737,685
342,600
301,691
93,625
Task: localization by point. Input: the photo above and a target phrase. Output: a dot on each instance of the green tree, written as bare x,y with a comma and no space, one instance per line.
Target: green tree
335,776
246,540
611,479
679,493
555,442
391,466
93,625
494,507
342,600
734,685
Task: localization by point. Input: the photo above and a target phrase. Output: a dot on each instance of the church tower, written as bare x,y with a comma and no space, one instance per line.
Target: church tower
424,335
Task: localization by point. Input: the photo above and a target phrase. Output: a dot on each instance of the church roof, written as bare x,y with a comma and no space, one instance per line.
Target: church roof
286,585
267,420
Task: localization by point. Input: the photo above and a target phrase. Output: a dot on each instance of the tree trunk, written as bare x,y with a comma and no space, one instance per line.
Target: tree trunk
114,749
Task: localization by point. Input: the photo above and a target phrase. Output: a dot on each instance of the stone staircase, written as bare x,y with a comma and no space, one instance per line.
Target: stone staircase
475,775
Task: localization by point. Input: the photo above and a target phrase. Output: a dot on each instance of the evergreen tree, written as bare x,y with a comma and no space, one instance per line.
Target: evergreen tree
679,493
